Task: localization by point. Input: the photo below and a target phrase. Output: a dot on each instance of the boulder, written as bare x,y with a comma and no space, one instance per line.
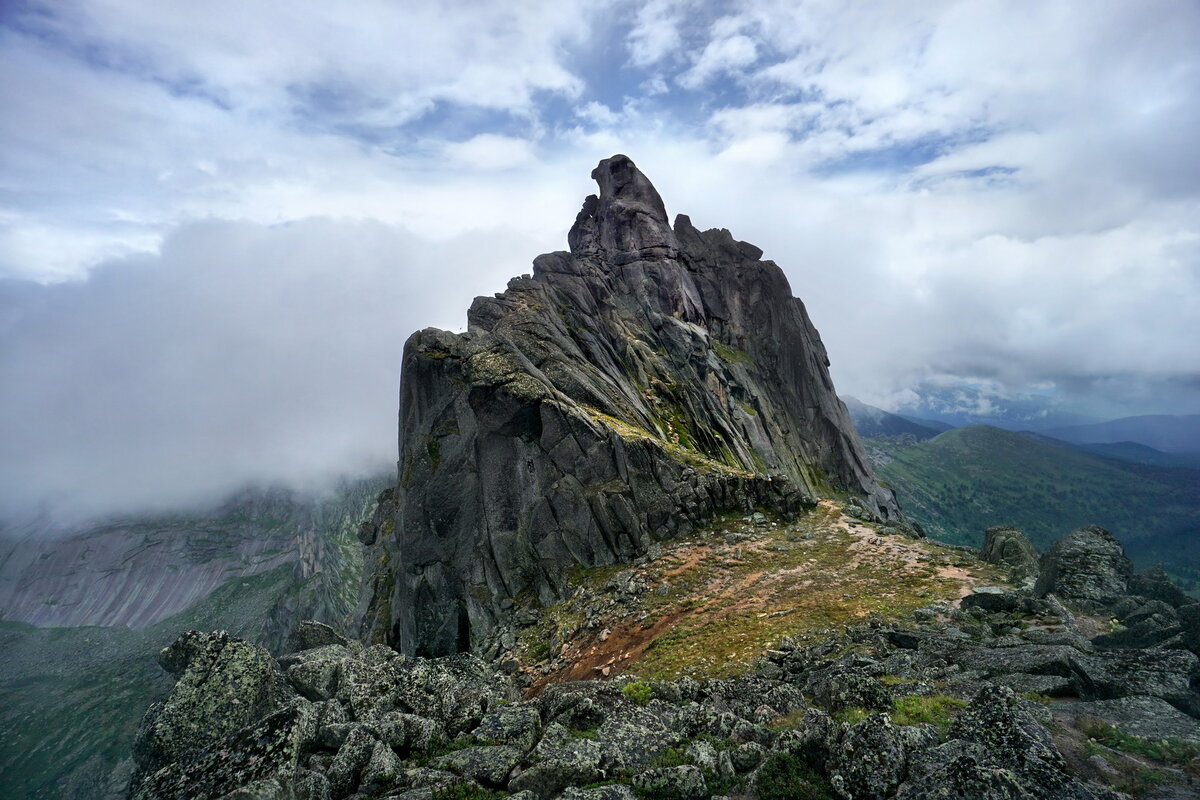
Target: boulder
516,725
310,634
1086,568
489,765
1189,619
1148,717
259,760
996,750
871,759
1008,547
223,684
1155,584
685,782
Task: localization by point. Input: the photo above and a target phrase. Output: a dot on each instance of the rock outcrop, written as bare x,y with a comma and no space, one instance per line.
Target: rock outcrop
649,378
1088,567
1008,547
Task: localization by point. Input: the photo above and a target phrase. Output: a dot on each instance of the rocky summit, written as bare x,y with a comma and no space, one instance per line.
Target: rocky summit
635,552
627,390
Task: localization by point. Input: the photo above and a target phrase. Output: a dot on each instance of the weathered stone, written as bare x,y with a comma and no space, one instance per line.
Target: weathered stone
1009,548
633,747
310,634
489,764
1155,584
517,725
1148,717
814,740
871,759
255,759
405,733
381,772
747,756
1166,674
316,680
223,684
346,769
685,782
1189,618
1087,567
835,689
996,750
1005,603
614,791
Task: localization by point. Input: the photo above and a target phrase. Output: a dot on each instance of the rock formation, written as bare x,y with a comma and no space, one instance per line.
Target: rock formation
628,389
1087,567
1008,547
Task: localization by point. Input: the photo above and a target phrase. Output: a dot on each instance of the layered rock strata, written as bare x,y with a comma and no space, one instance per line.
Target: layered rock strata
649,378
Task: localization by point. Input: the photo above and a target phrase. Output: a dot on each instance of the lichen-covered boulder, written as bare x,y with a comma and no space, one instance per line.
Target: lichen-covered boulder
346,769
310,634
1155,584
632,746
870,760
1008,547
489,765
837,688
995,750
405,733
1166,674
259,760
684,782
1189,619
612,791
223,684
814,739
560,761
518,725
381,772
1087,568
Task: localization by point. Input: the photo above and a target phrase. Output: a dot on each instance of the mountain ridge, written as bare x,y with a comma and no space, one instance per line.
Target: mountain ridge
621,394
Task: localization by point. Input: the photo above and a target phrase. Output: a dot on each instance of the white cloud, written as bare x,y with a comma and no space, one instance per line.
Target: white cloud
655,33
720,56
487,151
241,354
955,189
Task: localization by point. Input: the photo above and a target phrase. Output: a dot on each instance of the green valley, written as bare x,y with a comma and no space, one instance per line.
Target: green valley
967,479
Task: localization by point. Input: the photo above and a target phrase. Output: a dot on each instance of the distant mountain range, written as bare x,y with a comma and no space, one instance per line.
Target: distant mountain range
961,404
1159,440
1167,433
962,481
871,421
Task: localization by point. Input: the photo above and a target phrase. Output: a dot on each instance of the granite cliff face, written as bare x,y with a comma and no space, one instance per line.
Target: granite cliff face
646,380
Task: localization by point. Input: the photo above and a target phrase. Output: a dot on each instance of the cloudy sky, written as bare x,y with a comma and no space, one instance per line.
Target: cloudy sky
219,221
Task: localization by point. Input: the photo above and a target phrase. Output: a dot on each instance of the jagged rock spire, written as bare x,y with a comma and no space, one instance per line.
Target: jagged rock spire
625,393
628,221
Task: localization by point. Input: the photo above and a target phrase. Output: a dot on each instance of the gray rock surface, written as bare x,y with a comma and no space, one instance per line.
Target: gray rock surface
1008,547
1088,568
223,684
401,726
630,388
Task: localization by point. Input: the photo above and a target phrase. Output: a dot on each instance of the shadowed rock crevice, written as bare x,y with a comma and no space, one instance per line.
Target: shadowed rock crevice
623,393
